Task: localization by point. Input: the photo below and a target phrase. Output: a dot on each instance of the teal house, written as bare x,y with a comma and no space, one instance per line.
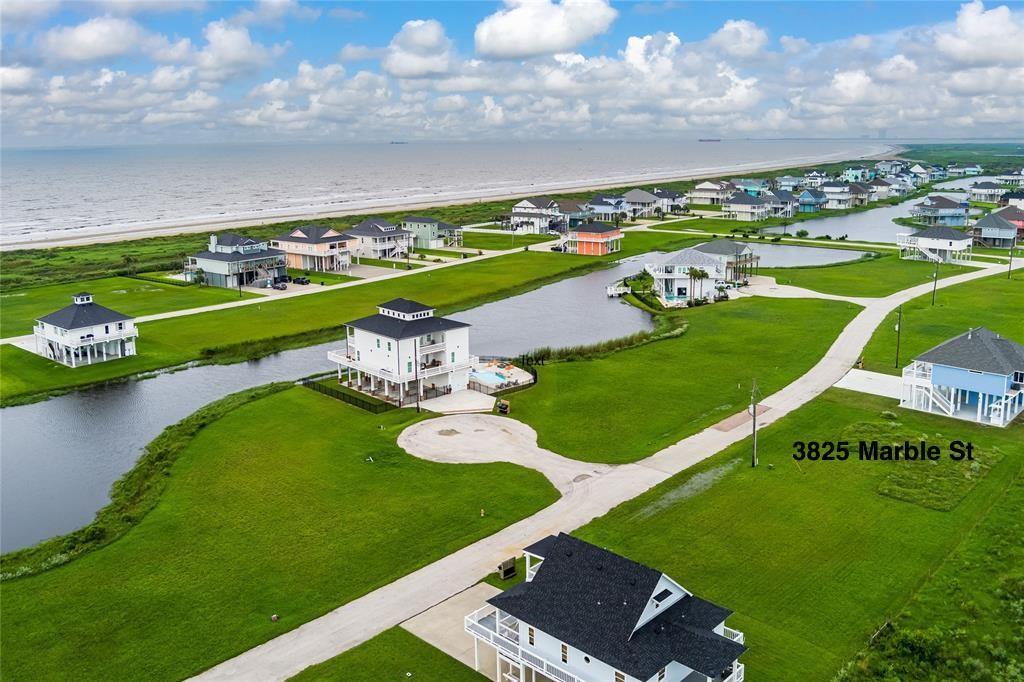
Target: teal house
431,233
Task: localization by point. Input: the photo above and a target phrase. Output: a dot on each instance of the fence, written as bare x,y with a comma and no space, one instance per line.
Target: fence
162,280
368,404
525,362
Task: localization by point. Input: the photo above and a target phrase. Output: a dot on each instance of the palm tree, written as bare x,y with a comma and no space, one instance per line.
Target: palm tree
692,273
702,275
129,262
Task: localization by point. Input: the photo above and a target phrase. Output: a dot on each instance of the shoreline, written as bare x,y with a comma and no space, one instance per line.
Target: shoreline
202,225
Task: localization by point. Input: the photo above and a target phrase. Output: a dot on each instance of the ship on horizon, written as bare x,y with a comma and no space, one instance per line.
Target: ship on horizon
709,139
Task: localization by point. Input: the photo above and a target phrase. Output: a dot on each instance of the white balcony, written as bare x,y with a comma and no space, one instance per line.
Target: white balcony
343,358
737,673
734,635
496,628
71,341
432,347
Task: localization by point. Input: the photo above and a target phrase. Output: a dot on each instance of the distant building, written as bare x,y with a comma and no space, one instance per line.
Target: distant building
641,203
940,210
746,208
431,233
815,178
403,350
585,614
781,203
535,215
316,247
935,244
838,194
673,284
811,200
986,191
1012,199
789,183
880,189
860,193
889,167
608,207
1014,179
232,261
858,174
572,213
85,332
739,259
594,239
670,200
712,192
977,376
755,187
995,231
379,238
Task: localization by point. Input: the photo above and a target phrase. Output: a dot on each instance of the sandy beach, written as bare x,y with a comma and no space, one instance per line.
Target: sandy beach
187,227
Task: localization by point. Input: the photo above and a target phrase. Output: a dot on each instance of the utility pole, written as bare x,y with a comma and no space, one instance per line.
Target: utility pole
753,413
935,281
416,366
899,330
1009,268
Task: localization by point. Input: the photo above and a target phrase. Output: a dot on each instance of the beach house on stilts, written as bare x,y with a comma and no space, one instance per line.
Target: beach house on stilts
85,332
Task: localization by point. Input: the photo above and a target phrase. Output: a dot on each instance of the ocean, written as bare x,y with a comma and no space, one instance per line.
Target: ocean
50,194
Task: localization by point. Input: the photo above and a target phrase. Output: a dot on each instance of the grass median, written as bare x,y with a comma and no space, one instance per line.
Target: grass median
875,277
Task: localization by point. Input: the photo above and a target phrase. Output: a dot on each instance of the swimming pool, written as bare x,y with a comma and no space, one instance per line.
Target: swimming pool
489,378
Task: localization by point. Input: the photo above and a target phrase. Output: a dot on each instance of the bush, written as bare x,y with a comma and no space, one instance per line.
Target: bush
802,233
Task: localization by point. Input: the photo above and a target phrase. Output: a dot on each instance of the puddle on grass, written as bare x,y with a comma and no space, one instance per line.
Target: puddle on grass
695,485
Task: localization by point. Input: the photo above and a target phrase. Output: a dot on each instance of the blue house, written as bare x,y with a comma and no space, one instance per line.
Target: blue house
939,210
755,187
811,200
977,376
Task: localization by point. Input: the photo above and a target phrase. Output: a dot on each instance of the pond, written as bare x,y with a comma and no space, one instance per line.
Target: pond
61,456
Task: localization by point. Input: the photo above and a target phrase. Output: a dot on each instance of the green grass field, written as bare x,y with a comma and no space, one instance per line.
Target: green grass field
291,505
315,277
255,330
877,277
390,264
393,655
502,242
21,307
812,558
994,302
654,395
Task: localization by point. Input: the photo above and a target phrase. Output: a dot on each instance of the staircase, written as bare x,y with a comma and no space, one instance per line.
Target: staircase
938,399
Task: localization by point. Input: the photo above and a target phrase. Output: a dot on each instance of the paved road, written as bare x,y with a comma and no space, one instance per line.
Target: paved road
363,618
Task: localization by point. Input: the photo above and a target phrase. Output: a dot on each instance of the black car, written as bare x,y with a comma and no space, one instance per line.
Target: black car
280,286
557,248
301,280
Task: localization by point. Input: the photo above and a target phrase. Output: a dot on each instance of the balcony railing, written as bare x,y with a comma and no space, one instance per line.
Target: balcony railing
484,624
737,673
75,341
342,357
734,635
432,347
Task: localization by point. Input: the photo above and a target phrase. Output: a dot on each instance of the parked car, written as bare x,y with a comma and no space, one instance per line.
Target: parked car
557,248
280,286
554,233
301,280
284,278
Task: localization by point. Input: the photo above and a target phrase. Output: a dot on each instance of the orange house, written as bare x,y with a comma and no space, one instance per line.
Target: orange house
316,247
594,239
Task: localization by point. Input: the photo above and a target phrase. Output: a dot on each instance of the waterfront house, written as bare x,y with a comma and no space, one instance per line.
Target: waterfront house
316,247
921,173
402,351
233,261
790,183
738,258
755,187
889,167
1014,179
572,213
431,233
713,192
85,332
815,178
935,244
838,194
670,200
955,170
593,239
1012,199
858,174
995,231
535,215
608,206
379,238
977,376
986,192
585,614
940,210
811,200
879,189
901,185
781,203
673,284
860,193
1015,214
936,172
641,203
743,207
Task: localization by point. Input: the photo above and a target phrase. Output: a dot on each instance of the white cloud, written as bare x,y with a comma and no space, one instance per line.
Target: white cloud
271,12
983,36
529,28
493,113
895,68
449,103
739,38
354,53
793,45
231,51
95,39
17,79
19,14
171,78
420,49
197,100
130,7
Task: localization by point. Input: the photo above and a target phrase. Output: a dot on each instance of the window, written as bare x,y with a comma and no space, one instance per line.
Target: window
453,356
530,636
106,329
661,675
120,326
408,367
619,677
389,346
378,343
565,653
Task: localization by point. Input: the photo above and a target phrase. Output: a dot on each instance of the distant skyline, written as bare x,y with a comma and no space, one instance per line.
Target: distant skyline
95,72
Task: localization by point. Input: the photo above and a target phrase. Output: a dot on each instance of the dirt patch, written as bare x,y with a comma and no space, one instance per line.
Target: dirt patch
695,485
449,432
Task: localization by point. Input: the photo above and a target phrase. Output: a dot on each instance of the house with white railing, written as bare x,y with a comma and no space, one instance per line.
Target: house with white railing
404,351
84,333
977,376
378,238
938,244
674,280
585,614
234,261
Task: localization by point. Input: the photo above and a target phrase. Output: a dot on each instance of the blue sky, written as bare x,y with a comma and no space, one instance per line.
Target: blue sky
136,71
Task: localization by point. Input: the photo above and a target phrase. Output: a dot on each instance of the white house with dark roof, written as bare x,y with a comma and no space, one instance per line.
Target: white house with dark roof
585,614
781,203
996,231
743,207
673,284
738,258
316,247
937,209
402,351
641,203
669,200
608,206
535,215
85,332
815,178
977,376
379,238
231,261
712,192
789,182
838,195
986,191
1015,179
938,244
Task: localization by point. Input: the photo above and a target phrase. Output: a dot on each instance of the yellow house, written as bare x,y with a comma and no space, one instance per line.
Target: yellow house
316,247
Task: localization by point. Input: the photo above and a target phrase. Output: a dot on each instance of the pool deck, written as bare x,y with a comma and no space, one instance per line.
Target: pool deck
460,402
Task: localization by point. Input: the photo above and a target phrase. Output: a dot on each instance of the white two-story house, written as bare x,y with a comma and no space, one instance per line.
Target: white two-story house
85,332
673,275
585,614
535,215
712,192
743,207
403,351
379,238
838,194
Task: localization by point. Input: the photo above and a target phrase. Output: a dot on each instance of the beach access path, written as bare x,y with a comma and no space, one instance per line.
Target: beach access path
583,500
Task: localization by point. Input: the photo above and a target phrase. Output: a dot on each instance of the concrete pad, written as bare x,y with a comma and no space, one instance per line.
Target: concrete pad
460,402
875,383
370,271
442,627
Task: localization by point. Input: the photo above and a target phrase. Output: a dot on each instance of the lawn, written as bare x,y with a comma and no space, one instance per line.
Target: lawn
810,556
315,277
292,505
502,242
876,277
255,330
994,302
440,253
653,395
390,264
21,307
392,656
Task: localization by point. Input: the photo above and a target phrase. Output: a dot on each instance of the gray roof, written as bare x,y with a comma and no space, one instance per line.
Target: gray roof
405,305
375,227
979,349
781,194
690,258
667,193
592,599
744,198
1011,212
941,232
315,234
539,202
571,206
995,221
397,328
836,184
79,315
595,227
723,247
939,201
232,239
429,221
638,196
986,185
815,193
237,256
859,188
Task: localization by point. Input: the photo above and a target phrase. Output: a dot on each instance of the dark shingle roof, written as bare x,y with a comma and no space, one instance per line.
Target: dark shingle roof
568,206
722,247
375,227
995,221
595,227
1011,212
232,239
315,234
782,195
815,193
939,201
979,349
397,328
79,315
405,305
538,202
234,256
986,185
592,599
744,198
942,232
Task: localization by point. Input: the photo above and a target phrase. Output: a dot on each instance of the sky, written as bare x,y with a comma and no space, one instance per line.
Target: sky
101,72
